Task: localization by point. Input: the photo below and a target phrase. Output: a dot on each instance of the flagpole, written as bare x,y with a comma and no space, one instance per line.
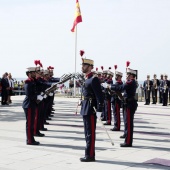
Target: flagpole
75,60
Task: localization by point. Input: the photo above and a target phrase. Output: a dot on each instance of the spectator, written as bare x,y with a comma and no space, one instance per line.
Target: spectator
5,89
11,87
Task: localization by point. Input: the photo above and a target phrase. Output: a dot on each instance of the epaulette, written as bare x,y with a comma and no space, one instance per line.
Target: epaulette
29,80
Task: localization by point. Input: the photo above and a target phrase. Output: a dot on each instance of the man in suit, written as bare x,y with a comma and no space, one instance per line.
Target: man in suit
165,86
147,85
155,86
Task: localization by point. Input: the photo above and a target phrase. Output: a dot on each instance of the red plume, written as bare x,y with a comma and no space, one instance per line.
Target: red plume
127,63
82,53
110,68
41,64
38,62
35,62
96,69
102,67
115,66
52,67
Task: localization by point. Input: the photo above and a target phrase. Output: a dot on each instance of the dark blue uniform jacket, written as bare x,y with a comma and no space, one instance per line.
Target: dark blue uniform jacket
92,96
31,94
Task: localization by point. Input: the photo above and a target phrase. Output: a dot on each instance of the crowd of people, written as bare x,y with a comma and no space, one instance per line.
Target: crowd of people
8,86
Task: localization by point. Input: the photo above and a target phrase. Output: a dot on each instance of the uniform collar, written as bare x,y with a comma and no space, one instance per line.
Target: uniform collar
89,75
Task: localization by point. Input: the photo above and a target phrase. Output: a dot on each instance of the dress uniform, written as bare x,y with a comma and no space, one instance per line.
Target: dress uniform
116,103
155,86
129,104
93,100
103,79
39,107
29,105
165,85
107,100
147,85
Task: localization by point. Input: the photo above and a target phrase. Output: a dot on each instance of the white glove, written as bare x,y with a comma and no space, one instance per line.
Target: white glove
50,94
79,102
45,96
39,97
99,115
42,93
105,85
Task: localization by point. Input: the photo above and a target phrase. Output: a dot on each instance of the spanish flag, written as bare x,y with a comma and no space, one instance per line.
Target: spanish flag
78,17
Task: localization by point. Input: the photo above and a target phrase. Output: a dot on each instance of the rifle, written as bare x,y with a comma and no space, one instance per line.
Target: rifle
63,79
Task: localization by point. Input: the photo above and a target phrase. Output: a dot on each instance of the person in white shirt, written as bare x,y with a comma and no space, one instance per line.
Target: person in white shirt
11,87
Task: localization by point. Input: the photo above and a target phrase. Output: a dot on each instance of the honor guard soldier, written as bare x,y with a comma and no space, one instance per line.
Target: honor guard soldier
129,104
29,105
107,99
160,88
93,100
147,85
103,80
155,86
116,103
39,107
165,85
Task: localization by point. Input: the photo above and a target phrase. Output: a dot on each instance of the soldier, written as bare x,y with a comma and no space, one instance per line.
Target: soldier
147,85
103,79
29,105
93,100
116,103
155,86
129,104
160,88
39,107
165,85
107,100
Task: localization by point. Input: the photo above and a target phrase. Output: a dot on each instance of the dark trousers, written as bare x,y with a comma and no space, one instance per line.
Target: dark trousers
108,115
165,98
147,96
46,108
116,115
154,96
90,135
103,113
129,117
160,96
4,96
30,116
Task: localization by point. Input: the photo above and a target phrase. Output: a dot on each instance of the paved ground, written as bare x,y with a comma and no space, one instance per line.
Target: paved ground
64,142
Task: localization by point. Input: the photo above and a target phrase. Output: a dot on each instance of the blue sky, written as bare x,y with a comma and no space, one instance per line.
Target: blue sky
112,32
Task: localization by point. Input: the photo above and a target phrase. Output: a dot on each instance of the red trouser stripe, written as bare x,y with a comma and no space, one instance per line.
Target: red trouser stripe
92,136
36,121
29,126
128,126
118,115
109,111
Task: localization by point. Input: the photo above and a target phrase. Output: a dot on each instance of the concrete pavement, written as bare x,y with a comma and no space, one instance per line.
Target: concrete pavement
64,141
